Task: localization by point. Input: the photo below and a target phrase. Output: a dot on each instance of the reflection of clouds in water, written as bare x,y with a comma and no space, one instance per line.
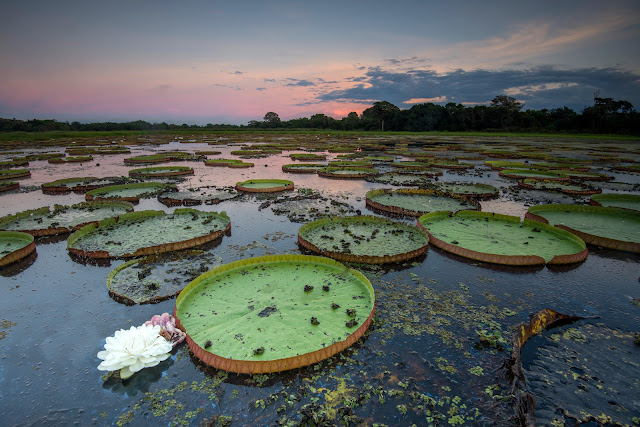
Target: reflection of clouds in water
139,382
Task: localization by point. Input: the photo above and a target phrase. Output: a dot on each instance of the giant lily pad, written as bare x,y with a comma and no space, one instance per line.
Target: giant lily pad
274,313
14,173
264,185
63,219
80,185
195,196
502,239
533,174
477,190
307,157
128,192
412,202
363,239
347,173
567,187
14,246
160,171
148,233
303,167
77,159
614,228
397,179
8,186
615,200
158,277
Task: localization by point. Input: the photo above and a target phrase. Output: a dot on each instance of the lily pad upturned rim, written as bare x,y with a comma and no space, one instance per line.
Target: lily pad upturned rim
58,186
221,162
412,192
363,259
519,260
148,250
586,192
598,198
160,171
279,185
278,365
52,231
534,213
18,254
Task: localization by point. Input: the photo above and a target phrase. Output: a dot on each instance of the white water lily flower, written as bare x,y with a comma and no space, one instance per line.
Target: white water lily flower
134,349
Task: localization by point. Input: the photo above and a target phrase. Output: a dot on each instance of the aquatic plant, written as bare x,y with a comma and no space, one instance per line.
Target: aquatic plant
168,328
130,351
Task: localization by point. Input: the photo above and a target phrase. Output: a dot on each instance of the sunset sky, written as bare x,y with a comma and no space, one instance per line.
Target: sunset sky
231,62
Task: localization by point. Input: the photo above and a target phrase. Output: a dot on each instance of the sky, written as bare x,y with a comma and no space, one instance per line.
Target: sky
209,61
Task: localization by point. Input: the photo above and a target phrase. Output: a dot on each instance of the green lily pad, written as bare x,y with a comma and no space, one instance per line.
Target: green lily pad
614,228
128,192
14,173
533,174
158,277
502,239
397,179
614,200
208,195
147,233
264,185
8,186
363,239
308,157
302,167
80,185
274,313
413,202
14,246
221,162
347,173
160,171
63,219
477,190
76,159
567,187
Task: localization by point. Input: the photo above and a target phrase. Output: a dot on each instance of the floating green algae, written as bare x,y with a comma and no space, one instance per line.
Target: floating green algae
67,217
264,308
363,236
158,277
136,231
496,234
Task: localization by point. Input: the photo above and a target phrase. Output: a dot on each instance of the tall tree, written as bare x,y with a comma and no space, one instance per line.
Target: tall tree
382,111
272,120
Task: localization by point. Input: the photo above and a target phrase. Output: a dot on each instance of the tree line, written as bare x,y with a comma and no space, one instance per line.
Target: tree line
504,113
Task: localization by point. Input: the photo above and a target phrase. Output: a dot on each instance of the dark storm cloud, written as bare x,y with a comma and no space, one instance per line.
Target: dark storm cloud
298,82
540,87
